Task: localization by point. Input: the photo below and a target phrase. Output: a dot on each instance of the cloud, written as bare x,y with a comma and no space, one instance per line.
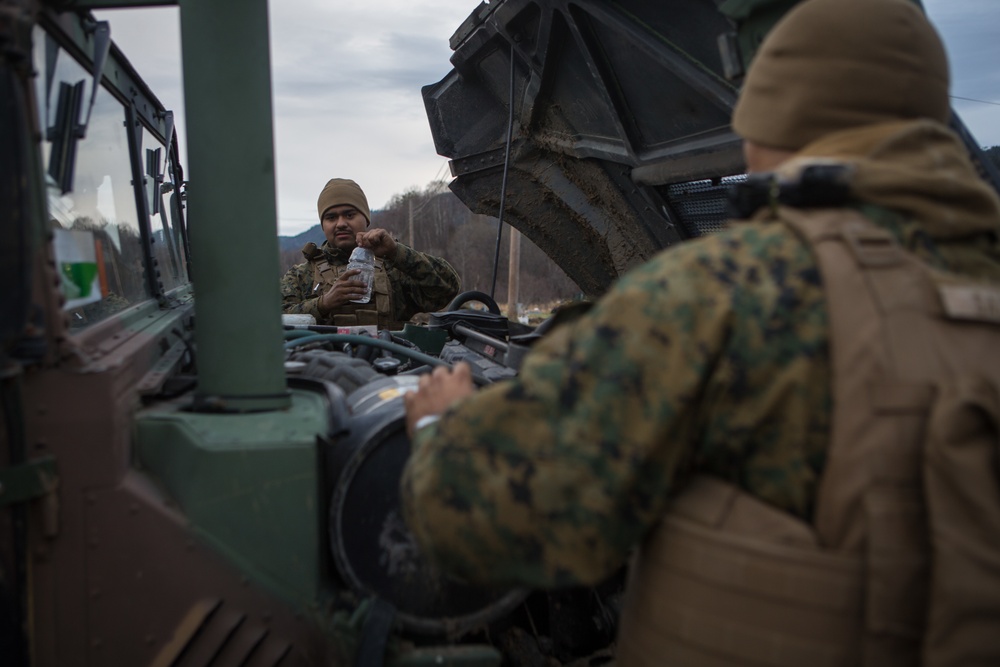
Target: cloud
347,97
968,29
346,81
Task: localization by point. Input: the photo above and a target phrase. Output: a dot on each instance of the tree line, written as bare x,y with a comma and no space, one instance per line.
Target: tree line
435,221
993,155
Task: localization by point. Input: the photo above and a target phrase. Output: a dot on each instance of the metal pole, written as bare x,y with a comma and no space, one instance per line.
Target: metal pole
231,203
514,275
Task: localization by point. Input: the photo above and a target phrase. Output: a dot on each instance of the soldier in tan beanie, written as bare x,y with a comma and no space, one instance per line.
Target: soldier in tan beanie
406,281
791,425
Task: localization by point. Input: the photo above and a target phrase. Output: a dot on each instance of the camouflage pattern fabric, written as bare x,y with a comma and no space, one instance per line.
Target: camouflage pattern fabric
420,283
712,358
550,479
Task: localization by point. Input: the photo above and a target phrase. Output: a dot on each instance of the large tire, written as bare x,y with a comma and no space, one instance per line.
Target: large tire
343,370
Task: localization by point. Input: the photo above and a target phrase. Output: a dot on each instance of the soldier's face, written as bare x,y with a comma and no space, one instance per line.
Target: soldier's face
341,225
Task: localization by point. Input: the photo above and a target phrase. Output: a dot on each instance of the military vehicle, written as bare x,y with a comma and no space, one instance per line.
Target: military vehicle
608,121
188,482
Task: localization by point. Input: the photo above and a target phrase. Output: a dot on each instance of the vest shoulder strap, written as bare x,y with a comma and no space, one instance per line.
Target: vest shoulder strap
911,480
378,312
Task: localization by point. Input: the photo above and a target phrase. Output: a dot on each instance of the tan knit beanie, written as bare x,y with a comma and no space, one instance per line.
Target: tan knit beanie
831,65
341,191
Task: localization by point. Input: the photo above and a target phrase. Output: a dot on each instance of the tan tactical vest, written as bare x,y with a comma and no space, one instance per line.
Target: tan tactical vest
902,566
378,311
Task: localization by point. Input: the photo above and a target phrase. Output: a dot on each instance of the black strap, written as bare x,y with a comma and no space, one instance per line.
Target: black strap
375,634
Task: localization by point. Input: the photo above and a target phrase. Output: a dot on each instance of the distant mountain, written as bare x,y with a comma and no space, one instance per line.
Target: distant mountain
314,234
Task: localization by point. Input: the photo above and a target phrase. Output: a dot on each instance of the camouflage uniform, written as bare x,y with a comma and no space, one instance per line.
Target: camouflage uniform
713,358
663,376
419,283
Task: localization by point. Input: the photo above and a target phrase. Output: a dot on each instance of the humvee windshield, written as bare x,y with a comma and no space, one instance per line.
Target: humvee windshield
94,213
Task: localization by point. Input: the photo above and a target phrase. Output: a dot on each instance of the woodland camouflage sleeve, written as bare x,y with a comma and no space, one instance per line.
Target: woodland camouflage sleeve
421,283
550,479
297,296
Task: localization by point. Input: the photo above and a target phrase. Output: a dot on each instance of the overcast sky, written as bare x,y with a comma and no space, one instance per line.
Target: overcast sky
346,78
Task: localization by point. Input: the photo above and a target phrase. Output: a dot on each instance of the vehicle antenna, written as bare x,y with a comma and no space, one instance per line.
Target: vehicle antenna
506,167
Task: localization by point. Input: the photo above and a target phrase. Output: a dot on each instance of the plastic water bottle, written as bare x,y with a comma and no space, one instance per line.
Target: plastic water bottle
362,258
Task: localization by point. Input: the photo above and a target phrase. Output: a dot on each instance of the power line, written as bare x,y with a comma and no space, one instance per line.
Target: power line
970,99
437,177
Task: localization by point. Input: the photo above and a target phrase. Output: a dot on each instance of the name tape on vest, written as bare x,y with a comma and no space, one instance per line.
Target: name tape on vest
971,302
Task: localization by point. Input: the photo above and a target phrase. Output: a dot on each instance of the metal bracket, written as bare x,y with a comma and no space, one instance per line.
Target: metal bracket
732,57
102,46
68,128
168,122
34,479
154,173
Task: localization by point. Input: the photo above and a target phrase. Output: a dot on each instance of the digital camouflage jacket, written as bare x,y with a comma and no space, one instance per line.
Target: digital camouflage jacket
712,359
419,283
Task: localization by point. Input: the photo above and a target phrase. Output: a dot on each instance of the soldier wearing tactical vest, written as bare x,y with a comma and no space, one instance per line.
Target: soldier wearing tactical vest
791,426
407,282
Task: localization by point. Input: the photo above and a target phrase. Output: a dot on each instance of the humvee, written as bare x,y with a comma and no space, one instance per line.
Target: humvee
186,481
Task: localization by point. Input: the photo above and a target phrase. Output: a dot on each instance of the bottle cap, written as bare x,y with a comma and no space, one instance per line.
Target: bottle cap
362,255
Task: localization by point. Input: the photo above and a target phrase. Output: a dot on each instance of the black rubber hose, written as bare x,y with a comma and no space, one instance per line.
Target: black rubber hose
367,340
473,295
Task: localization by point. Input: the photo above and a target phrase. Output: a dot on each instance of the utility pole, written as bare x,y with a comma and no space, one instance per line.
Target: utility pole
410,201
513,274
